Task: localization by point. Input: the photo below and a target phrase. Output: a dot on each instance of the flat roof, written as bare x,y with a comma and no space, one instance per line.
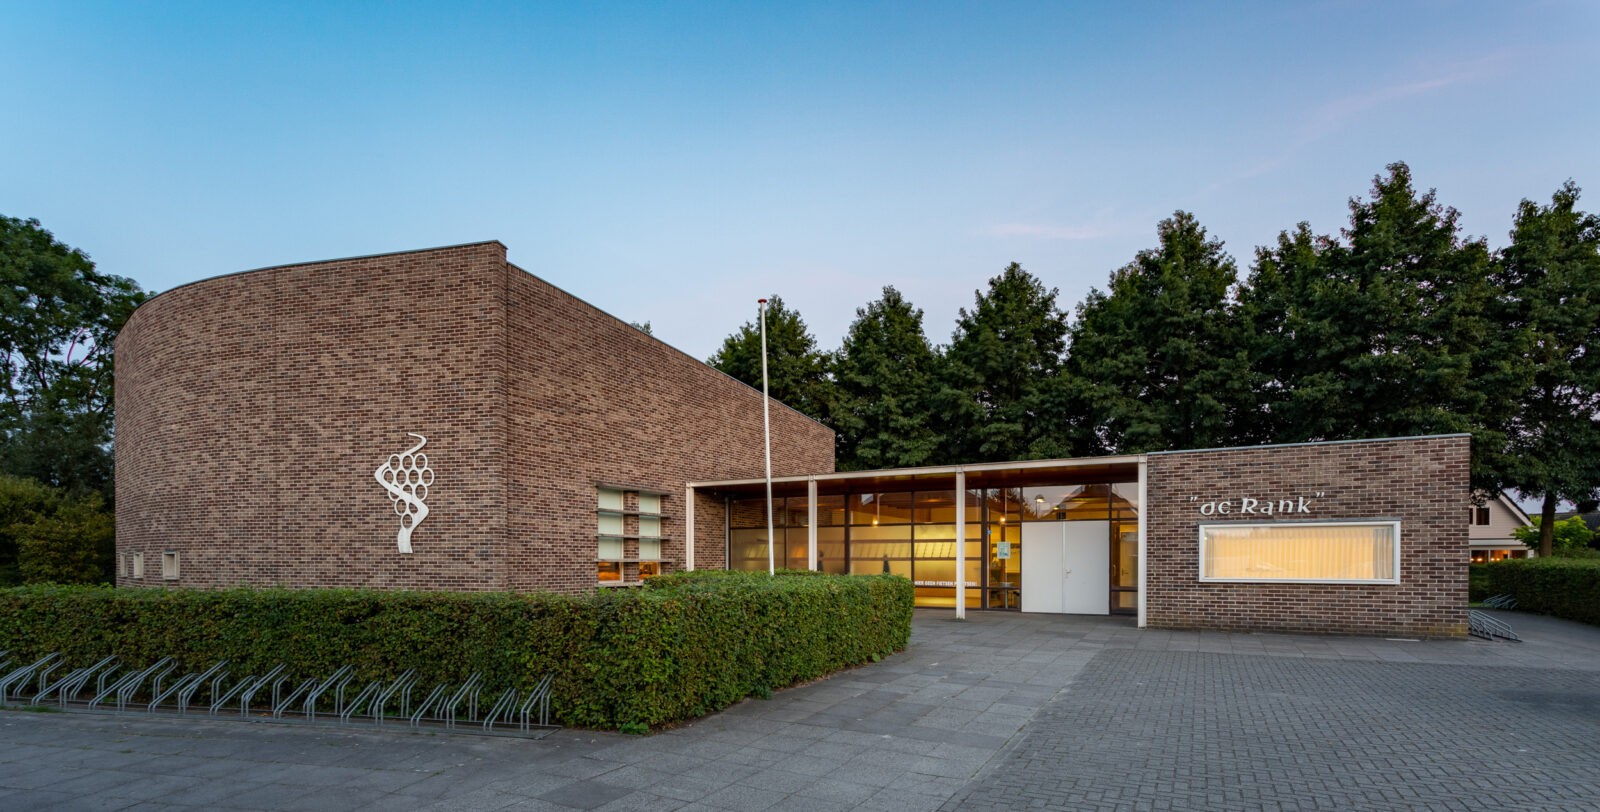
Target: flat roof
1070,471
1083,470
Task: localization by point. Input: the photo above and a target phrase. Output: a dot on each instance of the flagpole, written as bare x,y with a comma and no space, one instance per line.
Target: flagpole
766,429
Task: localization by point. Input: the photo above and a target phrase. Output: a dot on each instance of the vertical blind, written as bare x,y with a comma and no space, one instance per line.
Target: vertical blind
1299,552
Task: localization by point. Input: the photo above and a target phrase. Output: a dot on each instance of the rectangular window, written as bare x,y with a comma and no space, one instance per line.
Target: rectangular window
649,503
650,527
627,517
1352,552
169,566
138,565
122,566
1480,516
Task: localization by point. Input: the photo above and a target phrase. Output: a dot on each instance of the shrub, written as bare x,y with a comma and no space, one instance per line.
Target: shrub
1571,533
74,545
22,501
682,647
1478,582
1564,587
51,536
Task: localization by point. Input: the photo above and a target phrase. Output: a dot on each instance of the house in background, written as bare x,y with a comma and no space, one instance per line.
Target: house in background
1489,529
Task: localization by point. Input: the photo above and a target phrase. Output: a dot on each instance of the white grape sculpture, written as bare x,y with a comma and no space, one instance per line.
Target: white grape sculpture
406,477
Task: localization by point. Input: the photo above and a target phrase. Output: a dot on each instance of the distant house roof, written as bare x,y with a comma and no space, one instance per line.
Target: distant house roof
1516,509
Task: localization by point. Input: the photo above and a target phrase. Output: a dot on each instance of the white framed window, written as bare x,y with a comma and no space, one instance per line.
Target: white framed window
138,565
169,566
122,565
1301,552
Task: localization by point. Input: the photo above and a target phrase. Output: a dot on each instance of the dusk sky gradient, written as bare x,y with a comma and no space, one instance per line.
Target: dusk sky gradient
672,163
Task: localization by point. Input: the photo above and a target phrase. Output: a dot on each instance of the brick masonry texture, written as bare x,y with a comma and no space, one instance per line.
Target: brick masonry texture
253,409
1422,482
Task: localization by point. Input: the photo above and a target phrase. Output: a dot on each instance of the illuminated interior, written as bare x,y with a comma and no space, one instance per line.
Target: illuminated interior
913,533
1364,552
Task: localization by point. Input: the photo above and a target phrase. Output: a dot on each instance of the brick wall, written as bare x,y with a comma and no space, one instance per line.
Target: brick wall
252,410
1422,482
595,401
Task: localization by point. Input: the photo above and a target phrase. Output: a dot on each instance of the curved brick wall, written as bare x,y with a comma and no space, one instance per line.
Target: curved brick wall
252,410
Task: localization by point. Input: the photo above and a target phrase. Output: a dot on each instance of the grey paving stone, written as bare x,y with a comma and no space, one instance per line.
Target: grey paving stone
585,794
742,797
1172,728
967,699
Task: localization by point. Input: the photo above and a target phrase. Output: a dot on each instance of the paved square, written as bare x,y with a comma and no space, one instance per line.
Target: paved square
1002,711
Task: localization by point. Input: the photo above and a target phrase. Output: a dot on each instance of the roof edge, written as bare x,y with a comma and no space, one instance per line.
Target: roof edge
1309,443
286,266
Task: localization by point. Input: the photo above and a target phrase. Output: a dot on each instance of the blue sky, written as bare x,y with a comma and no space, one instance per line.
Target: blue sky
672,163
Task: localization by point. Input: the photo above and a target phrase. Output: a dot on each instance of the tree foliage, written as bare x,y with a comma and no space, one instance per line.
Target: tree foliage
1398,325
1159,360
797,372
58,318
75,544
1002,373
48,535
1567,534
1378,334
1550,280
885,375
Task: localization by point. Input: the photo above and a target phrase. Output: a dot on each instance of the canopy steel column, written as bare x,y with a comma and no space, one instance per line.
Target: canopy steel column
961,544
688,528
1144,524
811,524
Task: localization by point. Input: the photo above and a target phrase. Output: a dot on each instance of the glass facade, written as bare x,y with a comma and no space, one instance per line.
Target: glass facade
913,533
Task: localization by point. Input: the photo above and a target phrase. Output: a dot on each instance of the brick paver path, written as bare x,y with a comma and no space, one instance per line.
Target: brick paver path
1190,730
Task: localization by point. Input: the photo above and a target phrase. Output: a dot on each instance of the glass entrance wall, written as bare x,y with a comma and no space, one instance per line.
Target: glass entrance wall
1002,585
913,534
1125,548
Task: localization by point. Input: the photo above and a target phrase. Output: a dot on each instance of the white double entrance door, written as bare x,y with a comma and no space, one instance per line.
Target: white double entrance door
1066,567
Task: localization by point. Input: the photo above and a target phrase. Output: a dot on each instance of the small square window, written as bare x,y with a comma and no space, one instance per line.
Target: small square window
649,503
169,566
1480,516
138,565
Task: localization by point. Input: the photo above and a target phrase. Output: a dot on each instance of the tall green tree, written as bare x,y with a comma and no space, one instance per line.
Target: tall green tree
1001,394
1550,278
58,318
797,372
1386,332
885,374
1159,358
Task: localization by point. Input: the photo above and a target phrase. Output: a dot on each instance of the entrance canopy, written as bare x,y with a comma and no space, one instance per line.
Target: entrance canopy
960,533
943,477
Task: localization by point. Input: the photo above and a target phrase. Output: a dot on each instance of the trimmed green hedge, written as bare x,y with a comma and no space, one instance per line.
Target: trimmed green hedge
686,645
1478,582
1564,587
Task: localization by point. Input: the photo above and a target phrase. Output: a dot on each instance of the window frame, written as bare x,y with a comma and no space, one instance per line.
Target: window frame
1393,524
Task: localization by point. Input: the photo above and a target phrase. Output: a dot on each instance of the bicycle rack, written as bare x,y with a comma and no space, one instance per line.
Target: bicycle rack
166,687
